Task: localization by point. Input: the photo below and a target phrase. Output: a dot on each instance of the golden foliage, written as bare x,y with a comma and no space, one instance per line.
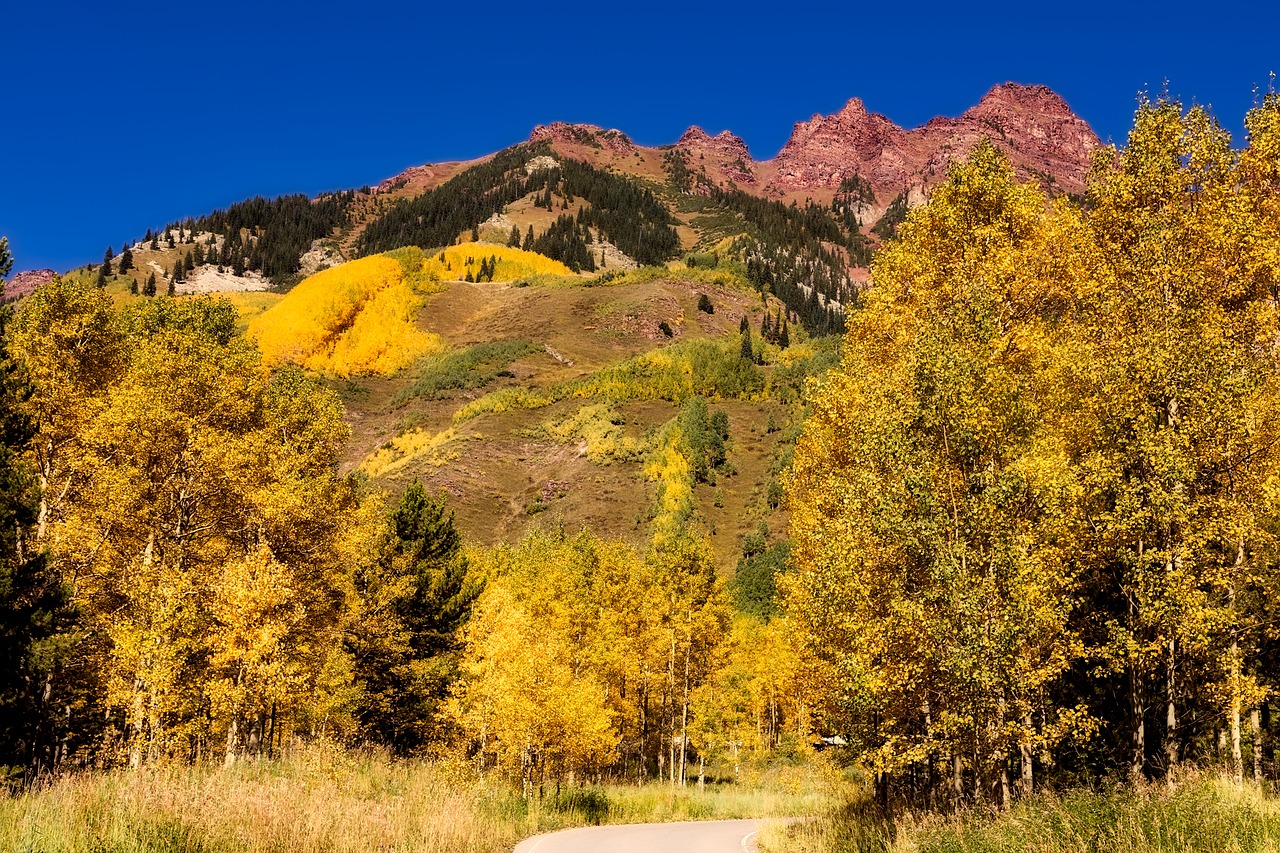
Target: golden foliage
356,318
570,654
455,262
598,427
502,400
416,445
194,498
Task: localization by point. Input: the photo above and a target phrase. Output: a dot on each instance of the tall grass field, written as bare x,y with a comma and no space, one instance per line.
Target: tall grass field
1203,814
327,801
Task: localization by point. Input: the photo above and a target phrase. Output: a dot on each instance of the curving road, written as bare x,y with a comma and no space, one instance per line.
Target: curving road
704,836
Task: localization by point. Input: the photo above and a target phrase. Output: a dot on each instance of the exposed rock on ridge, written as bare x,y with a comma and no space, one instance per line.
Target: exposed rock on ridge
724,155
25,283
1031,124
588,135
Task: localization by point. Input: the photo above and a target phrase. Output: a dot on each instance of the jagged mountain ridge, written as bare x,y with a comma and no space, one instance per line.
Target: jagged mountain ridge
1031,124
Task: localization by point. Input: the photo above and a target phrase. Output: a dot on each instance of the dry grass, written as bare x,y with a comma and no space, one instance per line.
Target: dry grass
1202,815
329,800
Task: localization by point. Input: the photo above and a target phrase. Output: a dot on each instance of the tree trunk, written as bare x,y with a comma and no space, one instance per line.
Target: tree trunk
232,737
1171,716
1233,713
957,778
684,712
1028,777
1255,723
1137,720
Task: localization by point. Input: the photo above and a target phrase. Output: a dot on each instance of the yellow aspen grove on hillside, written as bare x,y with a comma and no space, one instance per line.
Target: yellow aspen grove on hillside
356,318
489,262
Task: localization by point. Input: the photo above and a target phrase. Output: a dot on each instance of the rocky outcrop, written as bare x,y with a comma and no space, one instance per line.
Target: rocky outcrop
25,283
560,133
724,155
1031,124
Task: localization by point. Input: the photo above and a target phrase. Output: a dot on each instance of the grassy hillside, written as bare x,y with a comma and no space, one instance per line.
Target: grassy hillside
551,399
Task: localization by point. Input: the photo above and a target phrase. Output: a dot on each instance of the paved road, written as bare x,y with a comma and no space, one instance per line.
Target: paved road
705,836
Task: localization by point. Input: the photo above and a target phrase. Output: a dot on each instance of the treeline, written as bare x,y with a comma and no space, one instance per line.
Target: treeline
188,578
279,230
1034,512
801,254
622,211
619,209
438,216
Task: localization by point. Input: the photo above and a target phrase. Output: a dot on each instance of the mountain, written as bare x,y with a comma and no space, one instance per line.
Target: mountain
576,301
1032,125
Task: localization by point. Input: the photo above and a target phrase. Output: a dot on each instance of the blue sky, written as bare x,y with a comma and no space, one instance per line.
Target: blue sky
119,117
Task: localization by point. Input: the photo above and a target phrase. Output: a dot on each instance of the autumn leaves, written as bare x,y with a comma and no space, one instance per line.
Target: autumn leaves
1037,497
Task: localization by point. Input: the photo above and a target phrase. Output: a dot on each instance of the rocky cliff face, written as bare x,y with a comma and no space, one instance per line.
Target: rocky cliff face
560,134
1031,124
723,156
25,283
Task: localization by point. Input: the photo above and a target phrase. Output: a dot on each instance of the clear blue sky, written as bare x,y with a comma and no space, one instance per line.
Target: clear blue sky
117,117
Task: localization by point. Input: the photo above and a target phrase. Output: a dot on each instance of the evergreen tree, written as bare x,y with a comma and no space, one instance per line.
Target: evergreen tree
514,240
126,260
417,597
149,289
748,351
528,240
32,604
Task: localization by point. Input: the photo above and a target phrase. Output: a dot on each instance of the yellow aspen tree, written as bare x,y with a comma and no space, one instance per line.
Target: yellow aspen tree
932,510
1179,393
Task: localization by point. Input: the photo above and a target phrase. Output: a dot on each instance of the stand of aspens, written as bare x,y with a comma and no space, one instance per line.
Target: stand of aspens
1036,507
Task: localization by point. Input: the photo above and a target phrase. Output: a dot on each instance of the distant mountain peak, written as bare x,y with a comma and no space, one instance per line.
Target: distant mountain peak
588,135
1033,125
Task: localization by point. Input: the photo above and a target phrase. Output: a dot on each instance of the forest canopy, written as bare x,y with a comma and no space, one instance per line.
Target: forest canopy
1035,507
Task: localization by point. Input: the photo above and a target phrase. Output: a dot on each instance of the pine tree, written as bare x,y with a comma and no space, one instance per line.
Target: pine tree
126,260
417,597
149,289
528,240
747,351
32,602
514,240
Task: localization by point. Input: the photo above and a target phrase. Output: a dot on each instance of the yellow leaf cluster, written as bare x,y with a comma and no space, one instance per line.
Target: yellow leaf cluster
454,262
352,319
417,445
